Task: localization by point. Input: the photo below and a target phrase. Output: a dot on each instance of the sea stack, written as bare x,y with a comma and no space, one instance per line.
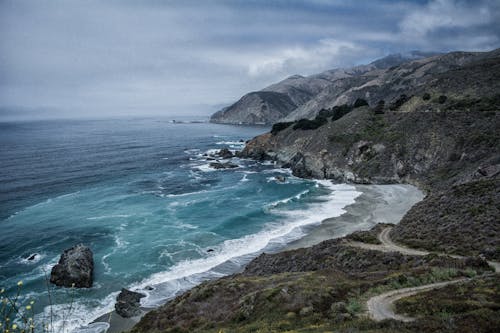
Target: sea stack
75,268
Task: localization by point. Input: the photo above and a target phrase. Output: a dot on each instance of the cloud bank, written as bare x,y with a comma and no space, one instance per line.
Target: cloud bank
106,58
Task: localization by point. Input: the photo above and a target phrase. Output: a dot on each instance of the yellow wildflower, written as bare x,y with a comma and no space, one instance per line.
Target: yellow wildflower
32,302
14,326
20,283
28,307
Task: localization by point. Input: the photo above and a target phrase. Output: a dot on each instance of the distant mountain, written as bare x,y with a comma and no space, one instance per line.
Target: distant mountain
296,95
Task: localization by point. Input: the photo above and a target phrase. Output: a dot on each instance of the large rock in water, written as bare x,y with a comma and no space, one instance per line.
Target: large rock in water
128,303
76,266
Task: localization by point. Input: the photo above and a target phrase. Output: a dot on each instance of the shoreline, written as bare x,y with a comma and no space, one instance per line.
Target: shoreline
375,204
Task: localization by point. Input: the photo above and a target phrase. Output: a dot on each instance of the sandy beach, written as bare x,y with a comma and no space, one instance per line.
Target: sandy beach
376,204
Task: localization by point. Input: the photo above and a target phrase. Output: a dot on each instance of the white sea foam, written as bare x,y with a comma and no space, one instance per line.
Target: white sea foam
230,250
77,321
108,217
36,258
286,200
231,253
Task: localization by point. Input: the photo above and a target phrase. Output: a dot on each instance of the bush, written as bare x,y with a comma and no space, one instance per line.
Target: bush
306,124
278,127
379,108
399,102
359,103
336,112
426,97
442,99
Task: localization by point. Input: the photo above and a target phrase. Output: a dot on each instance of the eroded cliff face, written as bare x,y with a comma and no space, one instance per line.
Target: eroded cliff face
423,148
445,133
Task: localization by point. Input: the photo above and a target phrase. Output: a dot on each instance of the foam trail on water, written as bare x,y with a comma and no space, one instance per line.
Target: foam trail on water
289,229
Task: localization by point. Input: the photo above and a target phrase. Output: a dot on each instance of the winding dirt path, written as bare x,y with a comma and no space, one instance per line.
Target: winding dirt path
381,307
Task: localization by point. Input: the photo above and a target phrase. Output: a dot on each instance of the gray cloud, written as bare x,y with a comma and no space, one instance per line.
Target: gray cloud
88,58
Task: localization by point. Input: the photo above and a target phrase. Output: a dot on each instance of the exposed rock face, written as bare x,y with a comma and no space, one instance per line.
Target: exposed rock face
261,107
128,303
75,268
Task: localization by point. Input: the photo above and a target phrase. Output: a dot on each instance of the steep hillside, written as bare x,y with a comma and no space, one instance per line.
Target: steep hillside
259,108
408,78
444,134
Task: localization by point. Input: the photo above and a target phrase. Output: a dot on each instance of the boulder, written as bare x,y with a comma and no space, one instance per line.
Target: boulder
128,303
74,269
219,165
225,153
280,179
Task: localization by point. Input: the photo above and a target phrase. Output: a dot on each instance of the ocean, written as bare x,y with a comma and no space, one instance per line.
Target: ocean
140,193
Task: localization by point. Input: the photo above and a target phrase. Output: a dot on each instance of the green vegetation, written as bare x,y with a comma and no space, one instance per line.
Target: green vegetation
399,102
306,124
476,299
359,103
485,103
442,99
278,127
17,313
379,108
426,97
336,112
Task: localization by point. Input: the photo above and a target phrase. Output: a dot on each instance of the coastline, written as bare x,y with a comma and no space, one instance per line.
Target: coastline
376,204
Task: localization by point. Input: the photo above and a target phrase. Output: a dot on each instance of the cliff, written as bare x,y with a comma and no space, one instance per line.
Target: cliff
441,135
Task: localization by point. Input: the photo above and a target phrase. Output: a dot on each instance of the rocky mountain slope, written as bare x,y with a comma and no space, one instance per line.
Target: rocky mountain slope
298,93
443,136
443,133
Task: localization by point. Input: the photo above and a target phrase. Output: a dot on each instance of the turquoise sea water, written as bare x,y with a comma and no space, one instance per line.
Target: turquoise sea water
140,193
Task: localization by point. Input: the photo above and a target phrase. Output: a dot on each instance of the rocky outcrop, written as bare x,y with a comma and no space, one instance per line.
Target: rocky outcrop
225,153
261,107
220,165
75,268
128,303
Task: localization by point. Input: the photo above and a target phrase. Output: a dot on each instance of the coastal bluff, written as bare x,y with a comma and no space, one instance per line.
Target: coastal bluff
441,136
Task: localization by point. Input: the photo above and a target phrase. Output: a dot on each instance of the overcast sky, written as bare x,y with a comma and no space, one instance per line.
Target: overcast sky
99,58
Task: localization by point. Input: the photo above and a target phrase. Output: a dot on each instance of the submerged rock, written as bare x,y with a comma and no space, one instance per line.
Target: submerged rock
128,303
280,179
219,165
75,268
225,153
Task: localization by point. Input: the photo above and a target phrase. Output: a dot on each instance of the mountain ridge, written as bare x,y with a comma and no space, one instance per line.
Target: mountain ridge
301,90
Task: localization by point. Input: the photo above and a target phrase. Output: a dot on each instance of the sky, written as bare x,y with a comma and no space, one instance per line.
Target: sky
139,58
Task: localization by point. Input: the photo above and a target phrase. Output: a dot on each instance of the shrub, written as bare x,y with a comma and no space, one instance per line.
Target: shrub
336,112
306,124
359,103
400,101
426,97
379,108
442,99
278,127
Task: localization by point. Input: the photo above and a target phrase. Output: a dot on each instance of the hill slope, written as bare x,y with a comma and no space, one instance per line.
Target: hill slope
258,108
